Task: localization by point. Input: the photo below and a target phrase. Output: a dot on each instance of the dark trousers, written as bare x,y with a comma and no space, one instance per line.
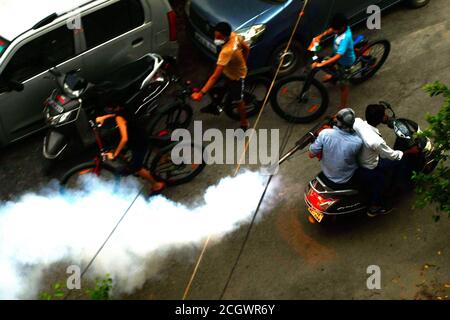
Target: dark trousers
233,88
377,180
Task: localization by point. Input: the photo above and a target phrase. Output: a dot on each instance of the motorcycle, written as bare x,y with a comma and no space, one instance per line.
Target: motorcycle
137,86
325,203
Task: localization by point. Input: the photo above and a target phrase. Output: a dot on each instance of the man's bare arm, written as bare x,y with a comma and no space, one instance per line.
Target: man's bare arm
324,34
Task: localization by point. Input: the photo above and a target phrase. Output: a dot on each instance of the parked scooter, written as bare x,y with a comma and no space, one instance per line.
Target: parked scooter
137,86
325,203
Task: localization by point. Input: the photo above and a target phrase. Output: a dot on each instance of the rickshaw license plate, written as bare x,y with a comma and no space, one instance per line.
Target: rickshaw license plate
316,214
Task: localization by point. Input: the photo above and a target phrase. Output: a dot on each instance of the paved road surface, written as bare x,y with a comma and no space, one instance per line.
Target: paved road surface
286,257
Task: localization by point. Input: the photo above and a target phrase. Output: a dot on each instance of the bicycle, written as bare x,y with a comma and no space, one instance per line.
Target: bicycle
158,160
255,91
303,99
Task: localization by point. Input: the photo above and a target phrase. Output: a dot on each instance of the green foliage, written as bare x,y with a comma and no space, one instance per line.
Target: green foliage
101,291
434,188
57,294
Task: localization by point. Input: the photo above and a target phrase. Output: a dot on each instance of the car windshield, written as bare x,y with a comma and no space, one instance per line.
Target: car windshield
3,45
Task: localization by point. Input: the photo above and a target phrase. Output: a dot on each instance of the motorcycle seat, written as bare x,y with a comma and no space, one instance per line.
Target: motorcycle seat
331,187
125,81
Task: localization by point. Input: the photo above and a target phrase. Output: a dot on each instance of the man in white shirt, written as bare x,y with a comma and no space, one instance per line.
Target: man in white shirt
376,157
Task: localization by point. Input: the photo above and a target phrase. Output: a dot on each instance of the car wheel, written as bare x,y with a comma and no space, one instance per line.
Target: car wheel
417,3
294,58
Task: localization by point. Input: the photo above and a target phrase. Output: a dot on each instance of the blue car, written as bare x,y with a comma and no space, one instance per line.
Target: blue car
267,25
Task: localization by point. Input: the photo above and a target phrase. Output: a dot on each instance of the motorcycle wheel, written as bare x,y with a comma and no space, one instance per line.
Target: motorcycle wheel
289,106
164,169
377,51
254,95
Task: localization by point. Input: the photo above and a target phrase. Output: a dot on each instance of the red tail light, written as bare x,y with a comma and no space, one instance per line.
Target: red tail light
172,16
319,202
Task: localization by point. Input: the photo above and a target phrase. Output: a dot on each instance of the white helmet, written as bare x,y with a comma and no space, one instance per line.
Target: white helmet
346,119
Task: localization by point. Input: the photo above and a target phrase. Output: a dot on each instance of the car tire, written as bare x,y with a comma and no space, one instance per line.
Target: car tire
295,58
417,3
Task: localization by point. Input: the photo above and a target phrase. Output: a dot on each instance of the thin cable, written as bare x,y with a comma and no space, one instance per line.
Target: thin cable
91,262
111,234
291,39
188,288
284,144
200,259
206,244
247,236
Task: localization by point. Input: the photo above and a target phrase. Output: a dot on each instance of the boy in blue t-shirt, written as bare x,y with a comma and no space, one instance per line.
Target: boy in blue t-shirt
343,53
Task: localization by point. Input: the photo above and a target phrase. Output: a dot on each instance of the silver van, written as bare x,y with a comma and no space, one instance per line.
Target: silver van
94,37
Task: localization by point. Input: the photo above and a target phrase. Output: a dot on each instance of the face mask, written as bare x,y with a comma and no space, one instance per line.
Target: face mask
219,42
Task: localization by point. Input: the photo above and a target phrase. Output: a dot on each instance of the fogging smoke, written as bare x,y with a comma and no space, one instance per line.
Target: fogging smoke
40,230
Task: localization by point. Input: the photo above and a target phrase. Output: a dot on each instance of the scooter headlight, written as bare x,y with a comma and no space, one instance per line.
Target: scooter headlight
62,118
74,93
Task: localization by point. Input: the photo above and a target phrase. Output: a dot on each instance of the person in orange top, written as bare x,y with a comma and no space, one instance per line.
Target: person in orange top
232,67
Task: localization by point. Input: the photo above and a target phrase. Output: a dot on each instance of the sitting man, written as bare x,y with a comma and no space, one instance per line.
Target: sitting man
338,149
377,157
343,54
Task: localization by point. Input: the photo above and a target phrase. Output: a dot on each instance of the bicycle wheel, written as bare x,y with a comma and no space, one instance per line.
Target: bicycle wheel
371,60
172,171
79,177
288,104
254,95
175,116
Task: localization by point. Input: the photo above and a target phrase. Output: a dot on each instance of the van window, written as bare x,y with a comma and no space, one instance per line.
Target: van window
41,54
112,21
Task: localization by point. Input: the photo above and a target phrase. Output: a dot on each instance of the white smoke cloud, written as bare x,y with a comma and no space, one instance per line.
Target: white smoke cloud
42,229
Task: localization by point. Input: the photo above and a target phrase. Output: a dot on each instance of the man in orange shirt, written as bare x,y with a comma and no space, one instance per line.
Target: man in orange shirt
232,66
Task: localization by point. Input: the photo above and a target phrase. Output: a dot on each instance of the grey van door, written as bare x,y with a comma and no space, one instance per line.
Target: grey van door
115,34
21,113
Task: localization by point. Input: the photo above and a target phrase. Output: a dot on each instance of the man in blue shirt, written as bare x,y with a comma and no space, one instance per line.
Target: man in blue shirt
343,54
338,149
